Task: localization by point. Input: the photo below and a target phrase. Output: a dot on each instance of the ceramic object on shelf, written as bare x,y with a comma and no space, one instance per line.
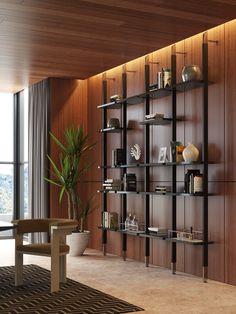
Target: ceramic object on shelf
190,153
191,73
113,123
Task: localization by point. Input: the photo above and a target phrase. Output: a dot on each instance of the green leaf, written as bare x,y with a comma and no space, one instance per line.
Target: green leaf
56,140
61,194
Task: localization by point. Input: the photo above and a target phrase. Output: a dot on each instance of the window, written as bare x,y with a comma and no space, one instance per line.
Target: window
13,157
6,159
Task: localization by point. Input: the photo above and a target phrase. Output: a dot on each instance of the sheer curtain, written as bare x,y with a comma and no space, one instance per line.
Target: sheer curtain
38,150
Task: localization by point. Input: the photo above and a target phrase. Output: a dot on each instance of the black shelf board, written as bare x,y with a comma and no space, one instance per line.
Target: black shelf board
111,105
156,164
186,86
153,235
108,229
172,194
132,233
156,93
118,192
136,99
111,130
153,193
157,121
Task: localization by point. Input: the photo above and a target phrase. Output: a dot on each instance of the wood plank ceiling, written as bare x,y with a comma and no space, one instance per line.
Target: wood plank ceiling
80,38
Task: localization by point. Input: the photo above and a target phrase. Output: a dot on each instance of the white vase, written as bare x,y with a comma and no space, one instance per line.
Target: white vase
190,153
78,241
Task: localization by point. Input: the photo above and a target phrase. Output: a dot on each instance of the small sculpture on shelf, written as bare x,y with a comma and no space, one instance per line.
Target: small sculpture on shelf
116,98
191,73
113,123
131,223
136,152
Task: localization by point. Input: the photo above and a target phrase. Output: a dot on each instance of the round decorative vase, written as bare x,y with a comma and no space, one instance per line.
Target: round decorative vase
191,73
78,241
190,153
113,123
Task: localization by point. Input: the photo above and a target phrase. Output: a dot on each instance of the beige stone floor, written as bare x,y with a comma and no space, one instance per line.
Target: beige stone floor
154,289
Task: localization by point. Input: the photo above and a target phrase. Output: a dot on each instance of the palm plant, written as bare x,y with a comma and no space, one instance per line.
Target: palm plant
67,175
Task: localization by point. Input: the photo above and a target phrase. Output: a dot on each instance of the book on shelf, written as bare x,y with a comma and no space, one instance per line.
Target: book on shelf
110,220
112,188
154,116
112,184
112,181
163,189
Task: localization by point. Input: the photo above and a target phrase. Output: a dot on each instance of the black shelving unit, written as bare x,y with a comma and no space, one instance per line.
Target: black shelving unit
152,92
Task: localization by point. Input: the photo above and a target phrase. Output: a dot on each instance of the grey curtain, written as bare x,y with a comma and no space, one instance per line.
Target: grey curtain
38,150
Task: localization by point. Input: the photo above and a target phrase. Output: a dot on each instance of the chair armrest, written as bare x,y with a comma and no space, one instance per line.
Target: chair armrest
64,224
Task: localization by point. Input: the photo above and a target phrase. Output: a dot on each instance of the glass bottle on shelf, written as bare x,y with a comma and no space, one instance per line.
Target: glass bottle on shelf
135,224
128,222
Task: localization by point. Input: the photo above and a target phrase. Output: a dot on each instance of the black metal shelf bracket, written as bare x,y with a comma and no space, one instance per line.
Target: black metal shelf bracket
173,98
205,155
104,159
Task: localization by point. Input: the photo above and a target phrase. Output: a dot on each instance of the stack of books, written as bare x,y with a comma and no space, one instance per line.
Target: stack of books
112,184
153,116
129,181
163,189
110,220
159,231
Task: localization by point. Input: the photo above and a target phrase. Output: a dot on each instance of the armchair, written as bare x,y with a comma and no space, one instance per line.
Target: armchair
56,248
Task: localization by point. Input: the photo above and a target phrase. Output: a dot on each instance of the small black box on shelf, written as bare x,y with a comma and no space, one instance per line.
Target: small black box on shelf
118,157
130,182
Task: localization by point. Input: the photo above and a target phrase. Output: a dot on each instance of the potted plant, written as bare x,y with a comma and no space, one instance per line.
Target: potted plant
66,176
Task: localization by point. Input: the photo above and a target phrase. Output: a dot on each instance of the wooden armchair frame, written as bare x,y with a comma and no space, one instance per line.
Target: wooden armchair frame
56,248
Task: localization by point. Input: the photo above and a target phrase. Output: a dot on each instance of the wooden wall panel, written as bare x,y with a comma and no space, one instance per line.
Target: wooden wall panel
216,105
216,227
230,232
68,107
94,125
230,96
221,151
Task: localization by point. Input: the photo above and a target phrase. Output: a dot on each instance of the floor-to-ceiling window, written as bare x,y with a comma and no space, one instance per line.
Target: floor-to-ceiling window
13,158
24,178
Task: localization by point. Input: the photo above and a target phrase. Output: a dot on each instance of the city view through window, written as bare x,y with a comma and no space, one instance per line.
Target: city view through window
7,162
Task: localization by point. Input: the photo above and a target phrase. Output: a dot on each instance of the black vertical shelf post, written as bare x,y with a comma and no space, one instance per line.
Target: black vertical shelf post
124,146
173,83
104,159
205,155
147,161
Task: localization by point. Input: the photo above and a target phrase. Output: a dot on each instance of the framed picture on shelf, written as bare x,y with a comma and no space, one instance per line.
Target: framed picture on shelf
162,157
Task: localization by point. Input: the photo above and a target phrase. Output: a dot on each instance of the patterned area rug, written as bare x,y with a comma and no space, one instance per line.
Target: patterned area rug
34,296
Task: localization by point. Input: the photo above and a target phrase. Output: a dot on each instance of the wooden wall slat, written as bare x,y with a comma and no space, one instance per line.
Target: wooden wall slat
68,98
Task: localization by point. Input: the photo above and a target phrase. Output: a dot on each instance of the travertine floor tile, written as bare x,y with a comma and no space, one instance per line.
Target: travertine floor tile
153,288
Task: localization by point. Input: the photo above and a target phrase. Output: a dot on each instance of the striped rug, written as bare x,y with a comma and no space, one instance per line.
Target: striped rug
34,296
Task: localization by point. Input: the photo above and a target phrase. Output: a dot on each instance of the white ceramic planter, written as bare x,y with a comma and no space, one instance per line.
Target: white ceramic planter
78,241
